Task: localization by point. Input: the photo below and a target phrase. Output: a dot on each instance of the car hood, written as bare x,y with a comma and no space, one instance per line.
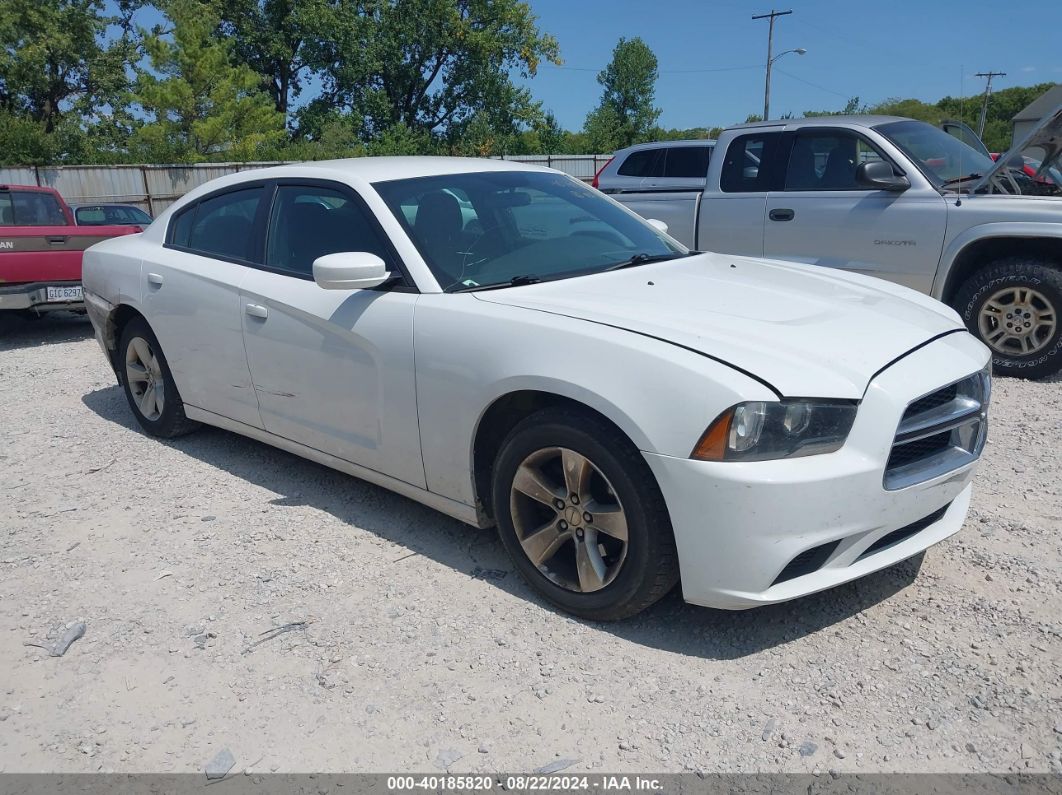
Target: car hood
1046,141
806,331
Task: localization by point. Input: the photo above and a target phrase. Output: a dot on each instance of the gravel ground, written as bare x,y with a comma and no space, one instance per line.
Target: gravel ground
420,649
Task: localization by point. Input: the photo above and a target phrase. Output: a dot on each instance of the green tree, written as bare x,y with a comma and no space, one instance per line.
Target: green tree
279,39
430,65
200,105
626,113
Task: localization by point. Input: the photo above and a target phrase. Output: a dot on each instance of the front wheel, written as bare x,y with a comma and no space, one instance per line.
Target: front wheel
581,516
1013,307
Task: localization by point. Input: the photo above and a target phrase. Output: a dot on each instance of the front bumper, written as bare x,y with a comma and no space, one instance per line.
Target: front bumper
738,526
35,296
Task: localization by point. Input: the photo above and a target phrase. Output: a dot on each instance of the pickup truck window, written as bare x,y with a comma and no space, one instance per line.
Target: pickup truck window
643,163
827,161
29,208
745,165
943,158
687,161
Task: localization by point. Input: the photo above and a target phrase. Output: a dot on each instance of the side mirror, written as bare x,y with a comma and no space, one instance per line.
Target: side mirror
879,175
349,270
657,224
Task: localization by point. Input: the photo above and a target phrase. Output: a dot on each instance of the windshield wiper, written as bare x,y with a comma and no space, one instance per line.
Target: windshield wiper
642,259
516,281
957,180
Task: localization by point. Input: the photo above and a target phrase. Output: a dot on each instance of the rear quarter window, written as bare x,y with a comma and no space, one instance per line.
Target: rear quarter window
643,163
746,168
687,162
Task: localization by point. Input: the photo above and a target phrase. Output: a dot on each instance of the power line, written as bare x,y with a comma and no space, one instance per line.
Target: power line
816,85
661,71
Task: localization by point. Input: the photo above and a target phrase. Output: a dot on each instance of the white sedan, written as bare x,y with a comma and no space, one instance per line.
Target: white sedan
513,348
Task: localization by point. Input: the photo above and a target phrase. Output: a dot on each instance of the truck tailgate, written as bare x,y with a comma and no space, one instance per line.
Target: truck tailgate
49,253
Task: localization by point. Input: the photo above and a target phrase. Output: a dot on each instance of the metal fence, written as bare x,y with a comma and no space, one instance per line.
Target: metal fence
155,187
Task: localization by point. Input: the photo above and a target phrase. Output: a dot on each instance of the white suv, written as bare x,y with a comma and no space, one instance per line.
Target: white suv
667,165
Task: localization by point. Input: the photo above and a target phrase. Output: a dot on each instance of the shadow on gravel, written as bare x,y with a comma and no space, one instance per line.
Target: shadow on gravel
20,332
671,625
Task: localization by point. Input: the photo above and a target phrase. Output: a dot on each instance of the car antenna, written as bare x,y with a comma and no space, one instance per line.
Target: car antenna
962,97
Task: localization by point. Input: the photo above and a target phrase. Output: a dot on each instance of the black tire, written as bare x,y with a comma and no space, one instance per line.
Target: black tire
1041,275
171,421
650,569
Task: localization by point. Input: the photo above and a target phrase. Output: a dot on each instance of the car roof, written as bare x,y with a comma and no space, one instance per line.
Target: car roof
818,121
82,205
31,188
380,169
709,142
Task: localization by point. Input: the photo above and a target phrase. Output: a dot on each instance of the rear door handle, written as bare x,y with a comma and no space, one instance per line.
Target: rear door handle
781,214
256,310
155,279
57,239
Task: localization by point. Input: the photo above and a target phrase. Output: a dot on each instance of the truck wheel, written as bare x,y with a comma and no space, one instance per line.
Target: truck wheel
148,383
1013,306
581,516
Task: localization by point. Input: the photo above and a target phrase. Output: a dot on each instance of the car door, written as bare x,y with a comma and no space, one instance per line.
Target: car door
731,219
823,217
191,299
333,369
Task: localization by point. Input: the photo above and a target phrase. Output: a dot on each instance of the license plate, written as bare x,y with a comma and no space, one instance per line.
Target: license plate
65,293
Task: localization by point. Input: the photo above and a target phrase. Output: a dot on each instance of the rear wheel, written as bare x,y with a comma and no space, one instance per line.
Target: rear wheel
1013,306
581,516
148,383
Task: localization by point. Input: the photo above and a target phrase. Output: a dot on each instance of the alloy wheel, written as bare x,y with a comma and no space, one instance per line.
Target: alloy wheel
144,376
568,519
1017,321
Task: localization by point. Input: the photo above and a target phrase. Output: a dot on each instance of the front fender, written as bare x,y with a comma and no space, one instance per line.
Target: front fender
982,232
470,353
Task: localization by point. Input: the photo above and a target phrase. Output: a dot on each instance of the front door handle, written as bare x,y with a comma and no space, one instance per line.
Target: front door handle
257,310
782,214
155,279
56,239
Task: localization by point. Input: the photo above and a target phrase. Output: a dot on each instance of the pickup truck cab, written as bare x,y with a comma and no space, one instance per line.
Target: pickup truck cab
41,249
898,199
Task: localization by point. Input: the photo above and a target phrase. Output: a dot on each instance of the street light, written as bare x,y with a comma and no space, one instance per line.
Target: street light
767,85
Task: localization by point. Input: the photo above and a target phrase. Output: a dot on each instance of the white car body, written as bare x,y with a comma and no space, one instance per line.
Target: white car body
393,387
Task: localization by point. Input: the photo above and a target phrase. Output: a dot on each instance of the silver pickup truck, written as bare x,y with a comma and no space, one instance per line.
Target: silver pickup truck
894,198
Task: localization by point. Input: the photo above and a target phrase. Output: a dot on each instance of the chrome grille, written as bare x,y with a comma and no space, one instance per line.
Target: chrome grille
940,432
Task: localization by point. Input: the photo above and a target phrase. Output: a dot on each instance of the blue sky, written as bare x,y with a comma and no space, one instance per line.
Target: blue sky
873,50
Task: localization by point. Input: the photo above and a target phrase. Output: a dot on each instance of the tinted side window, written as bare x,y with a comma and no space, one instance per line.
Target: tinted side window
224,225
181,227
36,209
687,161
643,163
745,169
827,161
308,222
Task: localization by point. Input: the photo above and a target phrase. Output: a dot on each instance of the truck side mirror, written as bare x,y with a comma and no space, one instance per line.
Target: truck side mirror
879,175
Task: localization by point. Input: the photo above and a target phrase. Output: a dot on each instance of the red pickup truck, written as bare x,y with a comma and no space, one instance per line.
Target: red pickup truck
41,248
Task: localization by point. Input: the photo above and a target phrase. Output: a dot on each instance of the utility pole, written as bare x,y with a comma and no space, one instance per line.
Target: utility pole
770,41
984,102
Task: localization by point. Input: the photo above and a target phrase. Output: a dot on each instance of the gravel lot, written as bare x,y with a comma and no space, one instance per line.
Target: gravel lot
423,650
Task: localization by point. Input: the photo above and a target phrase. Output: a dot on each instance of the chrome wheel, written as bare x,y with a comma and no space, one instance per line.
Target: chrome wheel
568,519
144,376
1017,321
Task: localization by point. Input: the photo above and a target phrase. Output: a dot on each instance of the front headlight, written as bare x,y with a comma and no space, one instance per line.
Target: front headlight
761,431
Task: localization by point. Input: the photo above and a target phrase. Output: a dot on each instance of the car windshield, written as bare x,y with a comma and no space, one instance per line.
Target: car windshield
498,228
945,160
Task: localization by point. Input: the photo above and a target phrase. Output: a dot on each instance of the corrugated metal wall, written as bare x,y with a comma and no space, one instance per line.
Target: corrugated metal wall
154,188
